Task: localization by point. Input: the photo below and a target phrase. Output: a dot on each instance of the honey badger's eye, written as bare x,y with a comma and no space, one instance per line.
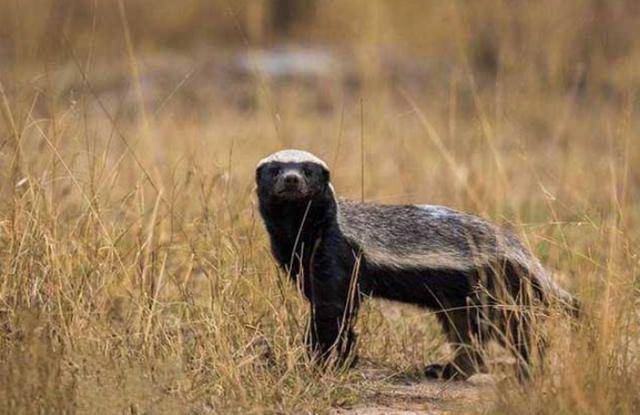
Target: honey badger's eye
274,171
307,171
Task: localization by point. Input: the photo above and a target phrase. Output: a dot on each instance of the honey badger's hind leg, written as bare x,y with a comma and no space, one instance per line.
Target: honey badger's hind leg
516,312
515,331
522,335
500,304
461,326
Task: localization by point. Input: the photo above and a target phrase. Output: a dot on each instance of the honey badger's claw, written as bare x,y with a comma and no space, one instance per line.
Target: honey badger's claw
445,371
433,371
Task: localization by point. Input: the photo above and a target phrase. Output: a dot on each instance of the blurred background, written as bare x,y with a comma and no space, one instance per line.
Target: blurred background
134,270
515,74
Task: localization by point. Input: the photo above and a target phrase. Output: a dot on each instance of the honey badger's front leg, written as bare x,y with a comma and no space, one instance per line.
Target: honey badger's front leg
334,305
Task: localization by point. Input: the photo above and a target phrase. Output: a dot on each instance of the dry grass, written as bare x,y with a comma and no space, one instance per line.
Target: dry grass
135,275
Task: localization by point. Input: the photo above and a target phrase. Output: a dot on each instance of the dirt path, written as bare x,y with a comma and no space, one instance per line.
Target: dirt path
406,396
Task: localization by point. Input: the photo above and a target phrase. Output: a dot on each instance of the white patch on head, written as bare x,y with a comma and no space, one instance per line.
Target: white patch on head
292,156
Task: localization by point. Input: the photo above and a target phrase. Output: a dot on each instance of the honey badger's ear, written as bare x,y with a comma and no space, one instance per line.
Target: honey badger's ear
259,172
325,174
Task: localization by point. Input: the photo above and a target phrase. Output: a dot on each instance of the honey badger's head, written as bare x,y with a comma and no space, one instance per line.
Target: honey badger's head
296,202
291,176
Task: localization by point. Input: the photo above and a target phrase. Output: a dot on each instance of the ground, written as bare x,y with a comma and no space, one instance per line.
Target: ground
410,396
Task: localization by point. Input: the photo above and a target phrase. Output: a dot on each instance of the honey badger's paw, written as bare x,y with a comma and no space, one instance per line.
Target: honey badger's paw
446,371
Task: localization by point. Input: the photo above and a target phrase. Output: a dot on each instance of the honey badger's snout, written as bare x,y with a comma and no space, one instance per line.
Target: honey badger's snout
292,180
291,184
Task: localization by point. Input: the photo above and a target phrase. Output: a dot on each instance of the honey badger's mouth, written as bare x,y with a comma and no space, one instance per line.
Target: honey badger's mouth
292,194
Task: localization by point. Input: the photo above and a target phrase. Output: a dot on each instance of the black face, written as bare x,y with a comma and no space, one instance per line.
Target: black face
291,181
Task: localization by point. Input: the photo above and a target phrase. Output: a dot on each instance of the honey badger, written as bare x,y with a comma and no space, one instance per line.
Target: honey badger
480,280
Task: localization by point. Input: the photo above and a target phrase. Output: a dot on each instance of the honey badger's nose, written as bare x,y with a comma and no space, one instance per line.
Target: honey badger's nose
292,180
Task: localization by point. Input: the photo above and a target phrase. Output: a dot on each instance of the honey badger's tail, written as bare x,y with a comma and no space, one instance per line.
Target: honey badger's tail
556,296
552,294
570,304
547,290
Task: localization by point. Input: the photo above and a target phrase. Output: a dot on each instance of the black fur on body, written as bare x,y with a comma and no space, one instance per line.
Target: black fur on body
480,280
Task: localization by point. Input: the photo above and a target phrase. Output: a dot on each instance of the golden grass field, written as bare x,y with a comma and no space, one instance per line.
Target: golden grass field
135,274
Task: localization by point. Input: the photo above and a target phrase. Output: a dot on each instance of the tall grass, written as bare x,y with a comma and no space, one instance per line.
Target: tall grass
135,275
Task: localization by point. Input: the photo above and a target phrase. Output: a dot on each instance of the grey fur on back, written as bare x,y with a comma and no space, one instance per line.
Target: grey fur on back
405,236
437,237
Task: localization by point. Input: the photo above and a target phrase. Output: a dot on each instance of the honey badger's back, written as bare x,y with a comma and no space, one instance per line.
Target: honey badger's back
428,236
437,238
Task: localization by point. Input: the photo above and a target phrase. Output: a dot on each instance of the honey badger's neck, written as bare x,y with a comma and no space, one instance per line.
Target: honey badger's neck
294,227
297,204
